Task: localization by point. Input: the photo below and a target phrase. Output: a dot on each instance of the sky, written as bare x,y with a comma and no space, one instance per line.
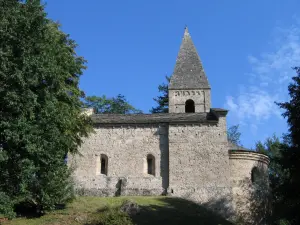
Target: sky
247,48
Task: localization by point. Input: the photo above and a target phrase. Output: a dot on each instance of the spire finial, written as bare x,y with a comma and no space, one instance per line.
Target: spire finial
186,30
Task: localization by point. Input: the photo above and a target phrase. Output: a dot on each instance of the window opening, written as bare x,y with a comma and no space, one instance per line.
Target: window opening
104,162
151,164
190,106
256,175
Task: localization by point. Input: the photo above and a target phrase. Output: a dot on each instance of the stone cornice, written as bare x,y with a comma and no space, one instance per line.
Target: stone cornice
219,112
248,155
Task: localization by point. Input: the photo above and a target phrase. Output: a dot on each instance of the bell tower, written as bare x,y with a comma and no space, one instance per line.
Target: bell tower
189,90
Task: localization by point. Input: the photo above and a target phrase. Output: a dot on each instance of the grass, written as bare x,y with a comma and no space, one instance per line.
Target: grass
154,211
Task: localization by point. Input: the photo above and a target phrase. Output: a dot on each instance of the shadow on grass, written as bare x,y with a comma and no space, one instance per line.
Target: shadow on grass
177,211
171,211
30,211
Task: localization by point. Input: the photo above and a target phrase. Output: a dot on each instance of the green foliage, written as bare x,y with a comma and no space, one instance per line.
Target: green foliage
290,156
6,206
111,216
163,99
272,147
233,134
284,222
41,118
284,165
115,105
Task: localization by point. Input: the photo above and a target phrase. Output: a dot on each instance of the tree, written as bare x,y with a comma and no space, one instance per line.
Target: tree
163,99
273,147
290,160
233,134
115,105
40,107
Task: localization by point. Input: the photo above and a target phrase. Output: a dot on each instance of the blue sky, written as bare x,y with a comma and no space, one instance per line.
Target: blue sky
247,49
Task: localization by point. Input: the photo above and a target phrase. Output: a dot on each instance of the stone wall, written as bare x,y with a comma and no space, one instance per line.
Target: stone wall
199,163
191,161
126,147
250,189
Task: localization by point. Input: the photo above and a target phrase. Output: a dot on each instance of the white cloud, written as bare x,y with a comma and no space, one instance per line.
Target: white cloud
268,79
255,104
231,104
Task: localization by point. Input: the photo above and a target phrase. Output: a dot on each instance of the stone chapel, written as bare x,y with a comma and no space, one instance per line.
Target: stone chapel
183,153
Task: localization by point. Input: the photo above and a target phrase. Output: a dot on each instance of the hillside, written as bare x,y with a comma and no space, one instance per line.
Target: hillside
153,211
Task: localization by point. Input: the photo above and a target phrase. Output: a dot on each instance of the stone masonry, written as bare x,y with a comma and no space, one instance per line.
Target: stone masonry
183,153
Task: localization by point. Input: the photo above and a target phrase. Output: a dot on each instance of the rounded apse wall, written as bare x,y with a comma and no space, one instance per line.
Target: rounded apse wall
243,163
250,185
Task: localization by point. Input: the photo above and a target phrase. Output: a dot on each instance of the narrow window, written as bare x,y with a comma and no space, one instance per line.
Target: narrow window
151,164
103,162
190,106
256,175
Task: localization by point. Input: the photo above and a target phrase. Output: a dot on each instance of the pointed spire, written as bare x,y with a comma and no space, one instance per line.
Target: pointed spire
188,72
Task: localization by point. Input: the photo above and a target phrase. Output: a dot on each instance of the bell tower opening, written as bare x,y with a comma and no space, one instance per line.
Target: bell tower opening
190,106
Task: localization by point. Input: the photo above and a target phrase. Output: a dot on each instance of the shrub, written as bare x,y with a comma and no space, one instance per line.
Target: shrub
6,206
111,217
130,207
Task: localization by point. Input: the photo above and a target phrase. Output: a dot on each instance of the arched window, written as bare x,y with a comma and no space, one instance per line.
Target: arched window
256,175
190,106
103,164
151,164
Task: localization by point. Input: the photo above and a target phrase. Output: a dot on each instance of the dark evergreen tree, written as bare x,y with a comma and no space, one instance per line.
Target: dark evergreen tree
290,159
40,107
163,99
273,147
115,105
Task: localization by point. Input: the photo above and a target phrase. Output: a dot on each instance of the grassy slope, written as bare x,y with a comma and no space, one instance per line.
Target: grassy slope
154,211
